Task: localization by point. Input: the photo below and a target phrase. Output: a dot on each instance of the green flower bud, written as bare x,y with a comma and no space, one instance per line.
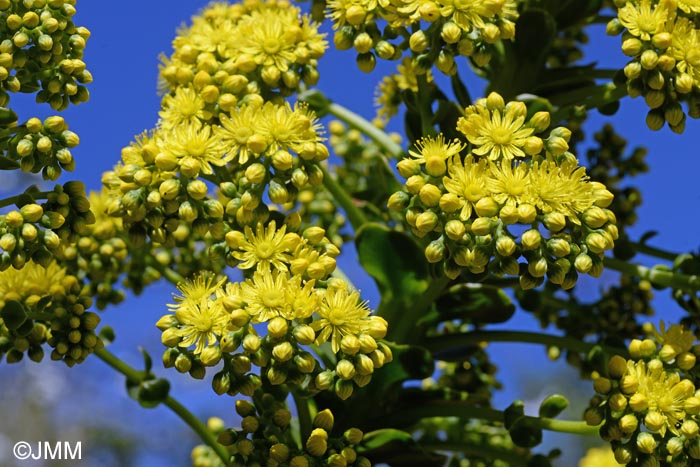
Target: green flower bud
481,226
251,343
449,202
617,402
631,47
363,43
279,452
674,446
646,443
364,365
654,421
210,356
451,33
353,436
283,352
430,195
426,221
537,268
305,335
305,362
623,455
324,380
526,213
597,243
628,424
654,99
345,369
366,62
455,229
277,327
343,389
317,444
435,251
649,59
276,376
684,83
418,42
531,239
183,364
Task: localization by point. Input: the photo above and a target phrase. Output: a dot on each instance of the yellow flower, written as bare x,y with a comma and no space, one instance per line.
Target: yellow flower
685,48
559,188
664,392
105,226
466,181
202,318
599,457
642,21
236,130
681,339
267,247
689,6
266,295
498,133
433,152
467,14
508,181
195,146
32,279
341,313
287,128
354,12
184,107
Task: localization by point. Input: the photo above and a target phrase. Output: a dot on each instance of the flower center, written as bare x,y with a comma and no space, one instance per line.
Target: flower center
264,250
273,299
501,135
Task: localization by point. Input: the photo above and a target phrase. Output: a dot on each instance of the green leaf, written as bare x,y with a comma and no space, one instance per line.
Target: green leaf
147,361
8,164
13,314
477,304
553,406
397,448
399,268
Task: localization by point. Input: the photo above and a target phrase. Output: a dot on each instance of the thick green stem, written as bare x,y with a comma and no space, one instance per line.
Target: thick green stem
424,106
180,410
355,215
645,249
15,199
655,275
403,329
303,406
466,411
357,122
513,459
591,97
451,341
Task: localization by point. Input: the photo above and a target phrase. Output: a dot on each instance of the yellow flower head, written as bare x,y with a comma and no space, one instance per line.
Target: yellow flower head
467,14
32,279
508,181
689,6
195,146
289,128
599,457
105,226
676,336
434,152
559,188
664,392
238,129
467,181
643,20
496,131
275,293
267,247
202,318
341,313
354,12
685,48
183,107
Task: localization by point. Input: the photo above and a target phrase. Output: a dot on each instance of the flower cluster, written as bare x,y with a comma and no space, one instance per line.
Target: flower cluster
510,177
662,38
36,232
45,304
437,31
649,404
264,438
234,50
43,52
290,292
43,146
388,93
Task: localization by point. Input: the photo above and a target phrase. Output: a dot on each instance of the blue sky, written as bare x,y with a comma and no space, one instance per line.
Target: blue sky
122,54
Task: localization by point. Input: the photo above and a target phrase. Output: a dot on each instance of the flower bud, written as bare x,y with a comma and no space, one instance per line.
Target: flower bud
455,229
531,239
646,442
283,351
526,213
451,33
449,203
654,421
366,62
277,327
363,43
430,195
631,47
304,334
317,444
210,356
418,42
628,423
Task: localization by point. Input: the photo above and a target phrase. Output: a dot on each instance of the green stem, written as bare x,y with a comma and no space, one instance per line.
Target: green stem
655,275
464,410
357,122
355,215
180,410
645,249
15,199
403,328
513,459
303,406
424,106
450,341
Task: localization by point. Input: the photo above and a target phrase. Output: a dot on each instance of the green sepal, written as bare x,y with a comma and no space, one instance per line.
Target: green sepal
107,335
553,406
13,314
